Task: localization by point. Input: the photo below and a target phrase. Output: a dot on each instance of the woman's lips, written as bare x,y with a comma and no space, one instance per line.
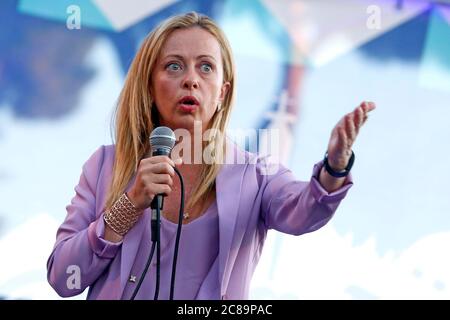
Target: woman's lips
188,103
188,107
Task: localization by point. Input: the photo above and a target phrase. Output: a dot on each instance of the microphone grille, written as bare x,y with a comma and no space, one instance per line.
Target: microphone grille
162,137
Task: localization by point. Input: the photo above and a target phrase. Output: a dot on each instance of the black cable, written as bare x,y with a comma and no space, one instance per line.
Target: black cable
152,251
177,241
158,251
155,222
156,243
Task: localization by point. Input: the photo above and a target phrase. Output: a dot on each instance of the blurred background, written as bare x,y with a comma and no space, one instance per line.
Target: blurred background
301,65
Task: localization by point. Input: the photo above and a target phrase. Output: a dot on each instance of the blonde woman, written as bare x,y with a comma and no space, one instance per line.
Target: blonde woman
182,76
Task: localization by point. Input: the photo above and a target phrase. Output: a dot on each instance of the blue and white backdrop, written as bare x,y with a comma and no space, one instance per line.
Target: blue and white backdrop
301,66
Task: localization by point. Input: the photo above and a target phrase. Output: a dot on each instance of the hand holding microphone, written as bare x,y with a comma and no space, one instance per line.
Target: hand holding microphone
155,174
153,182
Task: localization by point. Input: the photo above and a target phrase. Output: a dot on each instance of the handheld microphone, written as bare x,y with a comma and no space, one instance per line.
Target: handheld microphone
162,140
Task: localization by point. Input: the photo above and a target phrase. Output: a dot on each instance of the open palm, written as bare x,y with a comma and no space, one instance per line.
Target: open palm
344,135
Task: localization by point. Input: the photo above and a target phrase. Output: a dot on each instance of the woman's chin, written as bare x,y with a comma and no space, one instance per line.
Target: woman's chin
188,123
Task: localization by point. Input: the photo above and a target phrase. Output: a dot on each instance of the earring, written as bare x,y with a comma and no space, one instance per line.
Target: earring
219,106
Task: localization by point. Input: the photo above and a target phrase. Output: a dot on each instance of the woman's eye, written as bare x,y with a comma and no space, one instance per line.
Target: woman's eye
206,67
173,66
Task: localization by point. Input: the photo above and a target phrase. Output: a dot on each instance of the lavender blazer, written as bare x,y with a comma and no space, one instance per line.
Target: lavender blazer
249,203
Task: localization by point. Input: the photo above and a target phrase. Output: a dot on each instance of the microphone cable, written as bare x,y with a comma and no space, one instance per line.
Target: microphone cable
158,251
156,243
177,241
152,251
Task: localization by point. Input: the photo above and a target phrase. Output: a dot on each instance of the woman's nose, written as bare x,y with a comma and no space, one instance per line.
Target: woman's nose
190,81
190,84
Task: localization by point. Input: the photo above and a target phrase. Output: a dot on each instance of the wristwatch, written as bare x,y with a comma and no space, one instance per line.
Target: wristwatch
339,174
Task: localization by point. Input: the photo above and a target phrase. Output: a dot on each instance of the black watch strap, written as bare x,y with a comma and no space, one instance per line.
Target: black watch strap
339,174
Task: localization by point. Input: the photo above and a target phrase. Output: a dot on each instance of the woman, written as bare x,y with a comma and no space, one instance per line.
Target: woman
183,75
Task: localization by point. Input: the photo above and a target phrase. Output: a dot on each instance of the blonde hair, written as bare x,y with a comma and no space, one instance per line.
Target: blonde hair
136,114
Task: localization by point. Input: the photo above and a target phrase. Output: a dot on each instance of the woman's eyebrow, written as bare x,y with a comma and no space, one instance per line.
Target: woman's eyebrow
206,56
177,56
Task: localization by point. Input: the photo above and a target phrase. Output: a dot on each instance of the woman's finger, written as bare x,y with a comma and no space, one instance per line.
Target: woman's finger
368,106
340,140
343,139
359,118
350,127
366,116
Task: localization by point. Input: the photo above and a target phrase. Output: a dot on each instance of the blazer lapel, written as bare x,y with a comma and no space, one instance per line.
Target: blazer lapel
228,194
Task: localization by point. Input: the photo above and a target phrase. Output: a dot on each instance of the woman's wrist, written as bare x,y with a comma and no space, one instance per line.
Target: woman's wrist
328,182
122,216
339,171
111,235
134,200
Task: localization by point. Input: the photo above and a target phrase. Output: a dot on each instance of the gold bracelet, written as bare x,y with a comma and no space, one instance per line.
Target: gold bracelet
122,216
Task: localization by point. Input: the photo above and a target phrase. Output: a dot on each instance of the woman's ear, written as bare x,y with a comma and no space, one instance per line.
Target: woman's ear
224,90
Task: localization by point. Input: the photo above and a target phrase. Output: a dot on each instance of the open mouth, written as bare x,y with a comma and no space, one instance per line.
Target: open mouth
189,100
188,103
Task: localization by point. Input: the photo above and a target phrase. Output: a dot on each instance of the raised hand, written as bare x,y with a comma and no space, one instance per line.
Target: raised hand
344,135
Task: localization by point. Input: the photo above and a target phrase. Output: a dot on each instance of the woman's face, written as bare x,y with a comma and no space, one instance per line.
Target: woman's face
187,82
